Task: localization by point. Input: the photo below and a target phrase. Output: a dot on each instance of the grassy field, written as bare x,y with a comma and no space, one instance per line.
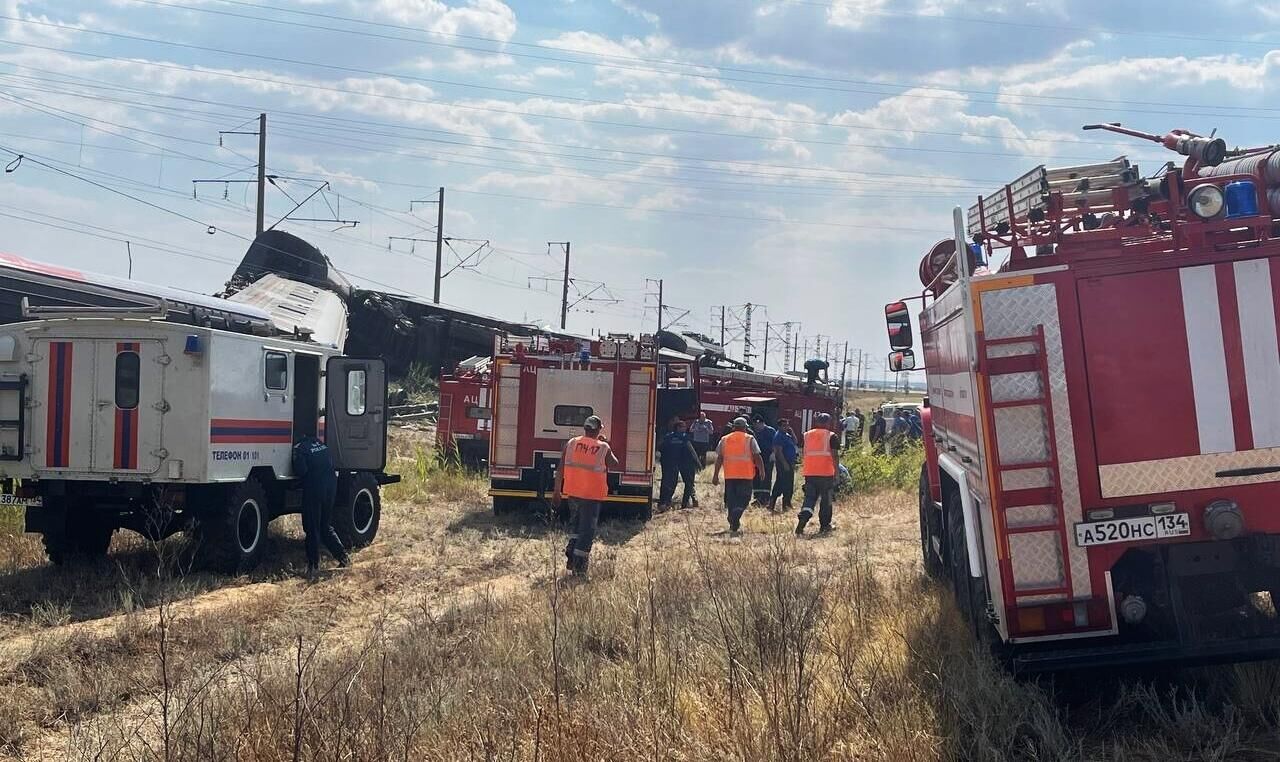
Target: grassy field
454,637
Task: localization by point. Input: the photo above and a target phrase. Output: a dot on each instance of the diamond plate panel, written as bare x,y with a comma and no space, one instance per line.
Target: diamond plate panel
1008,387
1036,559
1016,312
1022,434
1029,515
1028,478
1190,472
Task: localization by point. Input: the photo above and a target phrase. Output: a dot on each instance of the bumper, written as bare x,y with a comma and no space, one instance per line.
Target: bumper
1137,654
529,494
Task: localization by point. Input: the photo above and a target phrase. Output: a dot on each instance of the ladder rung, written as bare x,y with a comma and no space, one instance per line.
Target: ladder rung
1014,340
1020,498
1042,591
1020,403
1033,528
1003,366
1026,466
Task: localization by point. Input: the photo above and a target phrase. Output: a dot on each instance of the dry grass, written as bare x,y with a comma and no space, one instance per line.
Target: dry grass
451,639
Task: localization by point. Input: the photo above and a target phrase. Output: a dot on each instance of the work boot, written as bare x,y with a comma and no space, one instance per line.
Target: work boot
344,561
568,556
773,506
800,524
578,567
313,571
827,529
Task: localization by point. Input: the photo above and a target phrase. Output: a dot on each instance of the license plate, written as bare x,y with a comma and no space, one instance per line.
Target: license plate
17,500
1132,530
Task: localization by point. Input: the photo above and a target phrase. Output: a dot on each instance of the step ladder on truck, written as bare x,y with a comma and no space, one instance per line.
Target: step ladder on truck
1102,443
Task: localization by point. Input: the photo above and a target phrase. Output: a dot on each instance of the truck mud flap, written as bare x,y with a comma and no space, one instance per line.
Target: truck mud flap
1136,654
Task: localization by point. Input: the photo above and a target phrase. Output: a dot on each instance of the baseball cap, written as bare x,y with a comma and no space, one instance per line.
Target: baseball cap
740,423
593,423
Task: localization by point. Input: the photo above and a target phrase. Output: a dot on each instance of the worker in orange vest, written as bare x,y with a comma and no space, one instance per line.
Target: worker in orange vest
584,479
738,455
821,463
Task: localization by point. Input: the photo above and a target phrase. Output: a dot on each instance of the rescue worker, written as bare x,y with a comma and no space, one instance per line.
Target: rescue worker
821,464
764,439
738,455
677,456
700,431
785,451
584,479
313,465
876,435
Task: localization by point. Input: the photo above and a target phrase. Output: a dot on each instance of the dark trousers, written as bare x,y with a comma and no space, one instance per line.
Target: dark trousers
702,448
764,482
817,491
317,513
670,477
784,486
583,517
737,496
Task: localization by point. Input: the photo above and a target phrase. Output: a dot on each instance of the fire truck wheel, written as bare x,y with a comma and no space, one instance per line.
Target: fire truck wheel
934,567
357,510
958,553
87,540
231,536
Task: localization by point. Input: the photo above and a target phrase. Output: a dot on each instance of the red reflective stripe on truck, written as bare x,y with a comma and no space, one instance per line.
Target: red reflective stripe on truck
58,418
250,431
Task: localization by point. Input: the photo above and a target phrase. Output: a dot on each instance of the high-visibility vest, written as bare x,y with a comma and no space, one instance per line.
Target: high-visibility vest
817,453
585,474
735,456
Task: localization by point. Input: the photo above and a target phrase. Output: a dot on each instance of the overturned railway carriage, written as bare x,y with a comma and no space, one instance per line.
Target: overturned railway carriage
1103,469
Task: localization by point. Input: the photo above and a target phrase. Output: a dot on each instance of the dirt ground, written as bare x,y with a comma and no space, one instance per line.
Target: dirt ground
89,655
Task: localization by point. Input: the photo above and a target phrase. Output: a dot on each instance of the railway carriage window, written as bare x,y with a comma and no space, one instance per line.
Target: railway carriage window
572,415
277,373
128,370
356,392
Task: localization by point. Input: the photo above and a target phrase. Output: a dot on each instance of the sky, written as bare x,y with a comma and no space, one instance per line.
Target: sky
797,155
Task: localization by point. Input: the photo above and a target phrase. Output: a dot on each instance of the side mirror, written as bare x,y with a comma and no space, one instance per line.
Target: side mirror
898,319
902,360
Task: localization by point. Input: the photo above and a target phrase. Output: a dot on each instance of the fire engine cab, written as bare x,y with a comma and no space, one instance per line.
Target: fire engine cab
125,418
1103,437
545,388
466,417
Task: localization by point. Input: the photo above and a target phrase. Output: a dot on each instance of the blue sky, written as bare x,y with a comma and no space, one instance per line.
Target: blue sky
797,154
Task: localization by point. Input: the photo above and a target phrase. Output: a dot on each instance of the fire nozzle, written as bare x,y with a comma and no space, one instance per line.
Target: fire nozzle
1204,151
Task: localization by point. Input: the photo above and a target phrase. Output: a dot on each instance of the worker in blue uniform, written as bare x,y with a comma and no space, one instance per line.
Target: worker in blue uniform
314,466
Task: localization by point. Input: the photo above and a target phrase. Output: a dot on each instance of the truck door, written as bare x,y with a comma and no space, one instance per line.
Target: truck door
355,413
128,405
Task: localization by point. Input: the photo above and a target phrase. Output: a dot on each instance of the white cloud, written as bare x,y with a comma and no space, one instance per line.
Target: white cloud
486,18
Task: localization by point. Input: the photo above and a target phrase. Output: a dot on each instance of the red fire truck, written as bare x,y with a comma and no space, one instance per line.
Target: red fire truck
544,389
465,418
727,388
1102,430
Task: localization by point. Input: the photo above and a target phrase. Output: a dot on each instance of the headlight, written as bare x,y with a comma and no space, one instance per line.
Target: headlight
1206,201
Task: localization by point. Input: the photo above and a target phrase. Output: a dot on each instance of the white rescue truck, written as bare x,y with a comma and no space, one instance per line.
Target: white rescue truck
114,418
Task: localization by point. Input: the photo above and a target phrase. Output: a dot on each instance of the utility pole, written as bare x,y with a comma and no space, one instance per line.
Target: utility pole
722,346
844,370
128,250
564,294
659,305
747,354
435,294
858,383
262,173
795,356
766,345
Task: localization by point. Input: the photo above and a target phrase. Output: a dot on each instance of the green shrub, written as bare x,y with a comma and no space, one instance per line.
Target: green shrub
872,471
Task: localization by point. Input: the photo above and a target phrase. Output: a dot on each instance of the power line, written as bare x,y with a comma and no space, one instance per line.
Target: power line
795,80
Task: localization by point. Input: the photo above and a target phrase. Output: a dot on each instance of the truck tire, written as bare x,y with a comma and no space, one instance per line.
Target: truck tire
958,554
231,536
934,566
357,509
83,539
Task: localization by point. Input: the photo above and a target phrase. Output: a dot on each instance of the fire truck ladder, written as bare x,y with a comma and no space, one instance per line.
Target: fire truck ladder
1007,461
